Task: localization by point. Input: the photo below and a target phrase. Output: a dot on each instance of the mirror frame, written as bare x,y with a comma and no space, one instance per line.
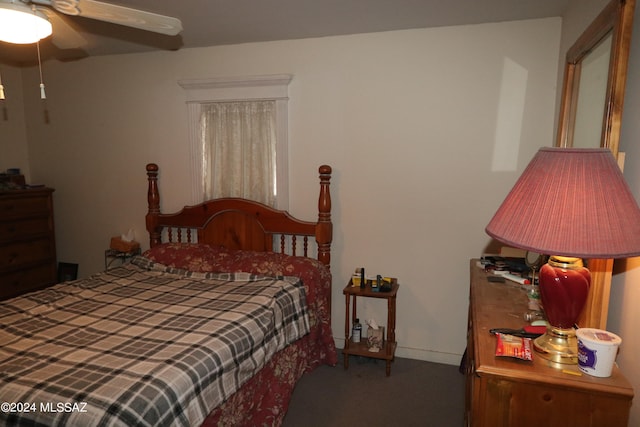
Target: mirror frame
616,18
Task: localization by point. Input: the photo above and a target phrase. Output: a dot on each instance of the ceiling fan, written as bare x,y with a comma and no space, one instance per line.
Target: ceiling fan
43,11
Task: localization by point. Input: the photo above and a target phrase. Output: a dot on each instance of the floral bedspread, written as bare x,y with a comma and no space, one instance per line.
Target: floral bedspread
264,399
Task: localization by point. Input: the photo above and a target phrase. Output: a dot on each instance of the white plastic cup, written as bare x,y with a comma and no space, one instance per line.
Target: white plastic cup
597,351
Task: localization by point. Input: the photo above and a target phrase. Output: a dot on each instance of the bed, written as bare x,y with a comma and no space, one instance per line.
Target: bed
213,325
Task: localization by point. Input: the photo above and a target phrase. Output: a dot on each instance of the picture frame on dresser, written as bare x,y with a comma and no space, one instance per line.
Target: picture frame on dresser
67,272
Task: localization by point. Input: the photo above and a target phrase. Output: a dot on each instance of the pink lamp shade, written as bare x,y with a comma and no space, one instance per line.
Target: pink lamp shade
571,202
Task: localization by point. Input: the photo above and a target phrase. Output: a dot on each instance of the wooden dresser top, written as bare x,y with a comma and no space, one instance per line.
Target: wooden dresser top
502,305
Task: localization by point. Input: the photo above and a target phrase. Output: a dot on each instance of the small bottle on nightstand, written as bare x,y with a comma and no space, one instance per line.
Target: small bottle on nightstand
357,331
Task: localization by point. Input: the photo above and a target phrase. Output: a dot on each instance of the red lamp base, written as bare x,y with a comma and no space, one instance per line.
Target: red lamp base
564,288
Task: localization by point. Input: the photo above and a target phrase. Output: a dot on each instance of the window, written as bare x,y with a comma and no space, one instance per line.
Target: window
217,107
239,147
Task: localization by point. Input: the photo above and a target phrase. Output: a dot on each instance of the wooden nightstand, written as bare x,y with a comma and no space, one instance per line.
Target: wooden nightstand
360,349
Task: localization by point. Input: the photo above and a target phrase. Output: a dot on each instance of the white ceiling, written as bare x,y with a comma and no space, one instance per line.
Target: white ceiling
218,22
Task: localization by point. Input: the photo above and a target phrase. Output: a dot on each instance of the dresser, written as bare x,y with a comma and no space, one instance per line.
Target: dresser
27,242
512,392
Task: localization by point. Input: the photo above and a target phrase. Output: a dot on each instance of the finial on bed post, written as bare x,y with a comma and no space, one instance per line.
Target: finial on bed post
153,200
324,231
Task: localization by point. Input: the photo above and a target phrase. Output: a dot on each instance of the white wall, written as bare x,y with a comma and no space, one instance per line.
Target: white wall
426,131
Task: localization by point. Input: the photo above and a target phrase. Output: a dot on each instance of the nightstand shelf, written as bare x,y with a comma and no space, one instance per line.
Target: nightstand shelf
388,350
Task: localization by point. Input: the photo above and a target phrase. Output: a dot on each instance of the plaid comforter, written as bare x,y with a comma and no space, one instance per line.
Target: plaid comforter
141,344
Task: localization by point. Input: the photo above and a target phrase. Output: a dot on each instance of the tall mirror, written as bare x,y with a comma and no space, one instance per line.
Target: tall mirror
591,112
594,80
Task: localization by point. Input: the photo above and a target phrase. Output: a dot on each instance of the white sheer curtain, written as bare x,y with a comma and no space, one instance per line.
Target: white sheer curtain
239,150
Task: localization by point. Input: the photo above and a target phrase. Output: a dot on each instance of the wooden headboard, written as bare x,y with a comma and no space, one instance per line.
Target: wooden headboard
242,224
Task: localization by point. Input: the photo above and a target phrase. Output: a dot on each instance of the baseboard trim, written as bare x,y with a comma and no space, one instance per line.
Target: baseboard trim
419,354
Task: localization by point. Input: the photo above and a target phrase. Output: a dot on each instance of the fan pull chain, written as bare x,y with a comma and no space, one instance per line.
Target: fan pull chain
1,88
43,95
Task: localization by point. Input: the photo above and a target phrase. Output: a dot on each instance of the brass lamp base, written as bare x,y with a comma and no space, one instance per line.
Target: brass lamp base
558,345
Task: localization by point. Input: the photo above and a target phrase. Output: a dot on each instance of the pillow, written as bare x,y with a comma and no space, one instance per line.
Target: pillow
188,256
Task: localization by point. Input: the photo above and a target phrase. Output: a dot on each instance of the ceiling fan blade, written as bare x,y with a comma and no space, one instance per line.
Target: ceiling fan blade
64,35
121,15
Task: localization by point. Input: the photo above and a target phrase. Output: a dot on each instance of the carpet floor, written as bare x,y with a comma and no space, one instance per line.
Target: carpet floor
417,393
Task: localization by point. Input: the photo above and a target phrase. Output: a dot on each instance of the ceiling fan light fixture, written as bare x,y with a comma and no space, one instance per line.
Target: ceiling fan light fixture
21,25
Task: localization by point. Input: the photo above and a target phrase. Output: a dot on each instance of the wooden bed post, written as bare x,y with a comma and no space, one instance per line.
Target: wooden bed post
153,200
324,229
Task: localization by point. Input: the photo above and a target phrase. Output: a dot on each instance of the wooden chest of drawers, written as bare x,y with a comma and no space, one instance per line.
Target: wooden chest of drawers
27,242
505,392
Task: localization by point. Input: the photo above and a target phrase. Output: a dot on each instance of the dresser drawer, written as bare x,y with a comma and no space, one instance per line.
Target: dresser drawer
21,229
17,282
25,253
20,207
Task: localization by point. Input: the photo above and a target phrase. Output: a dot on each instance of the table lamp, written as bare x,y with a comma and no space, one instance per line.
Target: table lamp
569,203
